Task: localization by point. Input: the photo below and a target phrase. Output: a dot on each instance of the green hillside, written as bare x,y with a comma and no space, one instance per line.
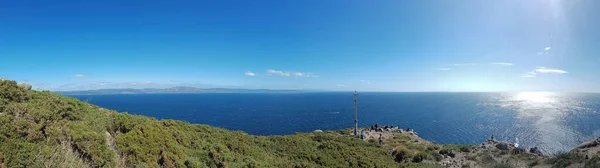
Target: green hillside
45,129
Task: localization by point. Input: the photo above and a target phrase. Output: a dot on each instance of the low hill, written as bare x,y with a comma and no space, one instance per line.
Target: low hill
45,129
179,89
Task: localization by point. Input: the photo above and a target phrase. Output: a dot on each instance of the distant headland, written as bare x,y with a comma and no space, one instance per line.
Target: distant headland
179,89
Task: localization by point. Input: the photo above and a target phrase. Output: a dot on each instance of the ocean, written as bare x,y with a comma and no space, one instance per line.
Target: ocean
551,121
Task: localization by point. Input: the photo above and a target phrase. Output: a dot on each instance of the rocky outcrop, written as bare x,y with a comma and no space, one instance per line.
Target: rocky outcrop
589,144
536,151
502,146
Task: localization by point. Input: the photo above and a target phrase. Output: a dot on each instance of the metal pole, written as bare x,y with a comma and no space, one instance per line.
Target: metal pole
355,113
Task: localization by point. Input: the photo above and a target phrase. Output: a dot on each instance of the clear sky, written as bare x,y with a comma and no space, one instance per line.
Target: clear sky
387,45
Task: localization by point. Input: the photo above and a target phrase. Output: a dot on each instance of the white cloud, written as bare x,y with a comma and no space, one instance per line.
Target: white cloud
540,70
365,82
531,74
340,85
550,70
80,76
546,51
249,74
295,74
443,69
275,72
502,63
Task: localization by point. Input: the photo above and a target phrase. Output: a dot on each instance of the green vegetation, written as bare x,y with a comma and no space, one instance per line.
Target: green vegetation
44,129
564,159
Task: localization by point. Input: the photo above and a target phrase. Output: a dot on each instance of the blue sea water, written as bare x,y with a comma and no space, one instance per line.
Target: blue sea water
551,121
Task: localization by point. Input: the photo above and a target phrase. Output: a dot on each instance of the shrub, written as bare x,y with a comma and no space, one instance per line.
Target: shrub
400,153
593,162
564,159
534,163
419,156
502,165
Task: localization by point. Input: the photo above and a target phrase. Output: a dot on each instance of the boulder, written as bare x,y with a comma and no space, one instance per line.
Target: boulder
589,144
518,151
24,86
536,151
502,146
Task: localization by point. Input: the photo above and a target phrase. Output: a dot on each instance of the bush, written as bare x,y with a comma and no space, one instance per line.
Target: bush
488,159
564,159
502,165
534,163
400,153
419,156
593,162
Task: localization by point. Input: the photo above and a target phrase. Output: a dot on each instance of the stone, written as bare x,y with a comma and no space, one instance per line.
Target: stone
318,130
535,150
502,146
589,144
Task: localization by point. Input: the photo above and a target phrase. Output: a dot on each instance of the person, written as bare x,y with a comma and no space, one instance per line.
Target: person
362,135
380,139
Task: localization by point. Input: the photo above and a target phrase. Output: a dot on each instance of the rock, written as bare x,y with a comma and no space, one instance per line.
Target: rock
502,146
318,130
536,151
589,144
24,86
518,150
451,154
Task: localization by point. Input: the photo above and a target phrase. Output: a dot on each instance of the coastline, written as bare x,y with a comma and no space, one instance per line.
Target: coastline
45,129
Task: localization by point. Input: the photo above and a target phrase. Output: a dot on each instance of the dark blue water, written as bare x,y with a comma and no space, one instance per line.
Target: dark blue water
552,121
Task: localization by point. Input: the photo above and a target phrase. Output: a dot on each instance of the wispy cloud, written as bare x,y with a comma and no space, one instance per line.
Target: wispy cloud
80,76
340,85
249,74
365,82
271,72
550,70
276,72
443,69
545,70
546,51
502,63
531,74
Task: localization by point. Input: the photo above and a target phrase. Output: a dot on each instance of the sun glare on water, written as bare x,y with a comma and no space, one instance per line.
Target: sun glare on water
536,97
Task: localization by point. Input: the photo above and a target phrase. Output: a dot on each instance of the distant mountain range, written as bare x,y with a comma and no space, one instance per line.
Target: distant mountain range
179,89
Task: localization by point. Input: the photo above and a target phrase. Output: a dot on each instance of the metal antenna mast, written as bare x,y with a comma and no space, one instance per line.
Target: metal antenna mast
355,113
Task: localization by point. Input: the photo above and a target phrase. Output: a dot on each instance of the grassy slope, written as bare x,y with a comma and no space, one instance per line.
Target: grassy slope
44,129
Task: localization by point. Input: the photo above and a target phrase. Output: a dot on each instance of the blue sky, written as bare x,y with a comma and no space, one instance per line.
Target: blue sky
388,45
